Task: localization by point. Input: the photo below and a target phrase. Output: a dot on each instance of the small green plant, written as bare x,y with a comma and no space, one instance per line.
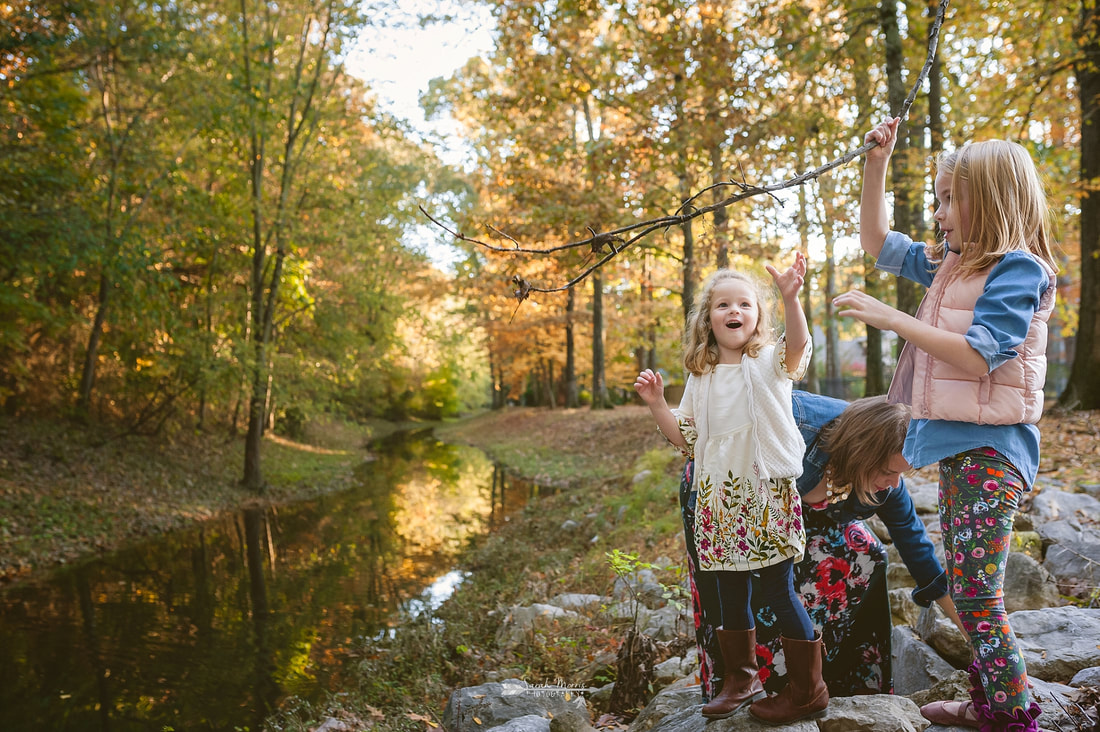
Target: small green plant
626,564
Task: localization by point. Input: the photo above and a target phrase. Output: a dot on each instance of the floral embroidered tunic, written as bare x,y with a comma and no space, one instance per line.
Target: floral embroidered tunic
741,522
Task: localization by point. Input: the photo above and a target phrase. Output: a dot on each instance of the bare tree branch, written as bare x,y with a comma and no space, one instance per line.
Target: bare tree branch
611,243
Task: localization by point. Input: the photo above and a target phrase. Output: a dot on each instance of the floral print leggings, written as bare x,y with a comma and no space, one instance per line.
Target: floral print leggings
979,494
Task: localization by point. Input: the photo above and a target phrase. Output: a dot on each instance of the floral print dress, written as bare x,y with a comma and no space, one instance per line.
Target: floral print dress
742,523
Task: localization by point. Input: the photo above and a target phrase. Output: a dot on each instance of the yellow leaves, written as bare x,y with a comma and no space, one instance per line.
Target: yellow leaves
426,720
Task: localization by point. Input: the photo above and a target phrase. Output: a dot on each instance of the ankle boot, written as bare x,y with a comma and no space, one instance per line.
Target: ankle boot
805,694
740,686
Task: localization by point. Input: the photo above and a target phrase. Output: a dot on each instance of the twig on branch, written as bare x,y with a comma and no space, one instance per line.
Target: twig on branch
618,240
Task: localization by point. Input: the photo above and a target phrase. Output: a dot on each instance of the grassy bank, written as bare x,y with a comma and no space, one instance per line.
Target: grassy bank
67,491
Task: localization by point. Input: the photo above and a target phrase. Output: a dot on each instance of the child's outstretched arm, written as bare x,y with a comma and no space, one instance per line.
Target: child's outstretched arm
797,332
874,223
651,388
952,348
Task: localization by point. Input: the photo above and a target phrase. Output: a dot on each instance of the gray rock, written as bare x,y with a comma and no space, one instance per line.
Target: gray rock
872,713
902,608
1051,505
1066,531
668,623
600,699
1029,543
1076,566
916,665
1028,585
666,704
1057,642
878,528
1054,716
526,723
494,704
522,621
1086,677
926,496
945,638
897,574
579,601
955,687
690,720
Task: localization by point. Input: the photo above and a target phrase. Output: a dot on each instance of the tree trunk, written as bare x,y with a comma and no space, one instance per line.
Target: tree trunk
572,394
721,215
1083,387
807,302
91,353
600,399
834,376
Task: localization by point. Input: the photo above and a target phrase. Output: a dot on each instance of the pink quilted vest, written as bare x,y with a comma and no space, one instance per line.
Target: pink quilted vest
1010,394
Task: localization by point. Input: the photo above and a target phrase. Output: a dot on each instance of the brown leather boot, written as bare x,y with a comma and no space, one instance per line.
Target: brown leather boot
805,694
741,685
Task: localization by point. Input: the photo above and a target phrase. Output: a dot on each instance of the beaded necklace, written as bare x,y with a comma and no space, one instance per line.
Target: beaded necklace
832,493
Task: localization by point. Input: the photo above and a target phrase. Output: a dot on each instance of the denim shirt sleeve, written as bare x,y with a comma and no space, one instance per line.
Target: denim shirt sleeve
903,257
914,546
811,413
1003,312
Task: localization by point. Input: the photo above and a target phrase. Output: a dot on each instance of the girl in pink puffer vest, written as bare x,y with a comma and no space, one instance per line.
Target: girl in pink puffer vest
972,368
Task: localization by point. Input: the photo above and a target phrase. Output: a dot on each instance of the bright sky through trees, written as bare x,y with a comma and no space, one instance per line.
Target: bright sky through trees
399,55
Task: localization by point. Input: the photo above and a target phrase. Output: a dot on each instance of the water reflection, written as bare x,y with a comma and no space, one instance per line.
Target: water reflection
208,629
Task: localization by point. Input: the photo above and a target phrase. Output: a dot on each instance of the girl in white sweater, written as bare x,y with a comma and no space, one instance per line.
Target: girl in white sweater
735,420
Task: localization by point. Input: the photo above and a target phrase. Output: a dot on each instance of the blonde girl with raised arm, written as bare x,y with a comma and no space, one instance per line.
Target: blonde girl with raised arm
736,418
972,369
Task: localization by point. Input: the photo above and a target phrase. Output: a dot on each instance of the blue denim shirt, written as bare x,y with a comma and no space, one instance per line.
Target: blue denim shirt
812,412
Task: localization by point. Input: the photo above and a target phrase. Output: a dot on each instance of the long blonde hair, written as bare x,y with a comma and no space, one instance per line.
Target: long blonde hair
700,346
1008,204
861,441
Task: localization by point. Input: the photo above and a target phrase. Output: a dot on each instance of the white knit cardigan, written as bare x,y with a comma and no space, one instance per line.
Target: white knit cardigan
777,444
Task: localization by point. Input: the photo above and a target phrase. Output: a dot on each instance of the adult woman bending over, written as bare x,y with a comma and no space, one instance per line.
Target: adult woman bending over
852,470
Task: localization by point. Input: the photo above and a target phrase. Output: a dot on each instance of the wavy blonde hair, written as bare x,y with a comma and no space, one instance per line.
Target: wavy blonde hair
861,441
700,346
1008,204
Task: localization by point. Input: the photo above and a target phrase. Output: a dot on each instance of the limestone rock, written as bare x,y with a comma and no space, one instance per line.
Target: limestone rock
1058,642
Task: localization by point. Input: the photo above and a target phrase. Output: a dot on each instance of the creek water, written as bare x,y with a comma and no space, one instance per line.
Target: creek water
212,627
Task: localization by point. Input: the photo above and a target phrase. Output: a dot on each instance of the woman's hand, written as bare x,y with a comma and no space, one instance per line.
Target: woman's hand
790,280
650,387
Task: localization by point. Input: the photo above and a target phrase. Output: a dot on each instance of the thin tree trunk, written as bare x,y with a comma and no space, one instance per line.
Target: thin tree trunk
91,353
1083,387
572,393
600,398
807,302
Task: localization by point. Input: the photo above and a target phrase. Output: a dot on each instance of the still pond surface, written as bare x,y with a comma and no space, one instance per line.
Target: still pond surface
210,628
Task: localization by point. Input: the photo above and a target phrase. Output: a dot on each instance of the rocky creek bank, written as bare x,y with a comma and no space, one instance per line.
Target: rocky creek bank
1051,594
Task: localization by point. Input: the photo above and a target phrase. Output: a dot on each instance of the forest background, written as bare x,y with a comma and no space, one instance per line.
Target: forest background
204,217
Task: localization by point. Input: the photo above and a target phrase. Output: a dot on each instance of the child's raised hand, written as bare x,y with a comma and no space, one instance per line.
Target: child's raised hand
650,386
790,281
886,135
